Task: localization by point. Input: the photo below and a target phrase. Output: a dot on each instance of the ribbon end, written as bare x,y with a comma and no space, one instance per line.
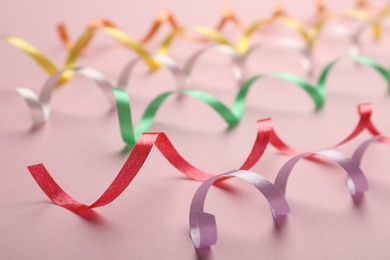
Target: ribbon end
204,232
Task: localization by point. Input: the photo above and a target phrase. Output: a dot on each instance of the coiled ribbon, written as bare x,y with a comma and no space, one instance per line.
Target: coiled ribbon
365,123
39,105
203,225
357,182
228,15
203,229
134,163
241,51
141,151
309,33
74,53
361,150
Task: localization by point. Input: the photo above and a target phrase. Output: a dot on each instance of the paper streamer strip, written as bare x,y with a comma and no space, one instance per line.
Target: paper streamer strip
178,74
108,27
307,59
371,20
357,182
361,150
145,143
40,58
232,116
307,65
182,75
279,15
203,227
239,70
75,52
134,163
243,48
365,123
308,34
39,105
228,15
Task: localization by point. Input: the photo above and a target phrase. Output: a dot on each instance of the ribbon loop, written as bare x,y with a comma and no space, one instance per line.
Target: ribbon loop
204,231
361,150
173,67
239,70
39,105
357,182
134,163
202,225
365,123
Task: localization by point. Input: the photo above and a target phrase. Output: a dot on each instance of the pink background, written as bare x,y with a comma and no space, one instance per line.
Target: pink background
81,145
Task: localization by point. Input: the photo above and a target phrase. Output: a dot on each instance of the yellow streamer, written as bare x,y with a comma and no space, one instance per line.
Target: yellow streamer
132,44
33,52
309,35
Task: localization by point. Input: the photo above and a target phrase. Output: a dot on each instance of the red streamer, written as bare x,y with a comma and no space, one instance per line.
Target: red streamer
134,163
141,150
365,112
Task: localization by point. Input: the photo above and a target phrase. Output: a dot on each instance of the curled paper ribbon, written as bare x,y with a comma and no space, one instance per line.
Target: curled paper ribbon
203,227
308,32
239,70
40,105
33,52
371,20
163,49
357,182
75,52
244,49
182,75
365,123
41,59
318,89
232,116
177,73
143,147
279,15
307,60
92,26
228,15
134,163
360,151
308,35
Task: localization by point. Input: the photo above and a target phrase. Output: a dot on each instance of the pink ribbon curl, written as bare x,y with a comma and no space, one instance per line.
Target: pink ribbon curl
361,150
203,229
357,182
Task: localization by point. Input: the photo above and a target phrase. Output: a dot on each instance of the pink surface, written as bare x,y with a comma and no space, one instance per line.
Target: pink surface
82,148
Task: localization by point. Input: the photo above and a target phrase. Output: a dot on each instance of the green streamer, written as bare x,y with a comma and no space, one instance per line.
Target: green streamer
370,63
232,116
